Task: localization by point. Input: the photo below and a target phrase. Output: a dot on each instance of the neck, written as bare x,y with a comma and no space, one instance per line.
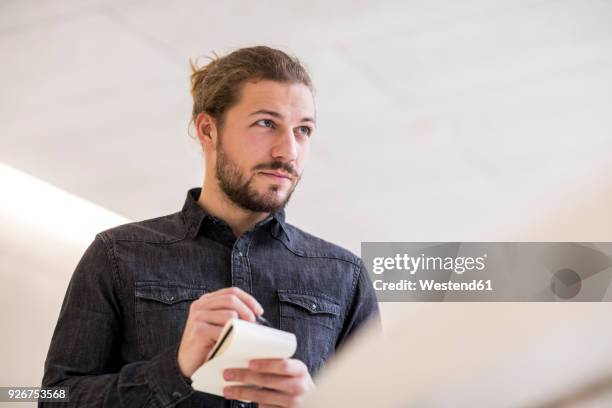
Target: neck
215,202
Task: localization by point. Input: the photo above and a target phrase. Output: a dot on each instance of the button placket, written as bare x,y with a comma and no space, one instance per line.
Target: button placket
240,273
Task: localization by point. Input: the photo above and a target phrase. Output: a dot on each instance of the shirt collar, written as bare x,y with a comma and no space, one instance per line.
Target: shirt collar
194,214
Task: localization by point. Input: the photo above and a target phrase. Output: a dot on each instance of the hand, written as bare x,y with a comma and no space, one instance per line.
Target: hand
206,318
285,382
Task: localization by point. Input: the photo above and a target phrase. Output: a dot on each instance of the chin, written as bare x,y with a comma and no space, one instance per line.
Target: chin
273,197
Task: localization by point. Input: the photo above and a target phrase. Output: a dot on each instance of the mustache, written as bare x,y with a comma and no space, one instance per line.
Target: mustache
278,166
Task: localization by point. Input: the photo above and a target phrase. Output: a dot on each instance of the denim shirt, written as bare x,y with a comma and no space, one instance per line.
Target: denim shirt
116,339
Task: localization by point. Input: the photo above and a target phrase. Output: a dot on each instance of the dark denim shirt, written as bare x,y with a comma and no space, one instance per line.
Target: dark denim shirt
116,340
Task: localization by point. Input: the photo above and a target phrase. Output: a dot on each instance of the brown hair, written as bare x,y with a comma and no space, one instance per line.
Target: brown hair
215,87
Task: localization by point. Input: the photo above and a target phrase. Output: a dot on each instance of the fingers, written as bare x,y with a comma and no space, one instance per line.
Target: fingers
262,396
206,318
281,366
230,299
249,300
209,333
216,317
230,302
284,383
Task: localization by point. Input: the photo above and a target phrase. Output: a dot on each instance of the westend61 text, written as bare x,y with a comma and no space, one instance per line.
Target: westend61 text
430,284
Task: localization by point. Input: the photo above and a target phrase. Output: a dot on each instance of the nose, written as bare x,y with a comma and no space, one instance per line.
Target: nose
286,147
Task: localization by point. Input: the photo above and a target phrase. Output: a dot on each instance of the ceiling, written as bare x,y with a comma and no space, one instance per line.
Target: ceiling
438,120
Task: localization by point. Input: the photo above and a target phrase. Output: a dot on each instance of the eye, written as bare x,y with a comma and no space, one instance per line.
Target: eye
265,123
305,130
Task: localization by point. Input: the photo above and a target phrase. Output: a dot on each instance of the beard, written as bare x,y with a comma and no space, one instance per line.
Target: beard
241,190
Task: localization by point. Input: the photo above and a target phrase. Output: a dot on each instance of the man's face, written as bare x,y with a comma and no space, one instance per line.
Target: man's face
264,143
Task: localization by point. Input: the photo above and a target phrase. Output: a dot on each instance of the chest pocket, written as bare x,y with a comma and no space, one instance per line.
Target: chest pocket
161,312
315,320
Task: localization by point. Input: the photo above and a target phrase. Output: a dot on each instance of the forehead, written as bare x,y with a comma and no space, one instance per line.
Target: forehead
283,97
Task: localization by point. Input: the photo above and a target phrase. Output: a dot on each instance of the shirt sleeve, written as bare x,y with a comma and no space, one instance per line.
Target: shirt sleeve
363,308
84,354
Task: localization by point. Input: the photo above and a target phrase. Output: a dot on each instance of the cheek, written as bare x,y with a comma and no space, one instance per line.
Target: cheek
245,156
253,150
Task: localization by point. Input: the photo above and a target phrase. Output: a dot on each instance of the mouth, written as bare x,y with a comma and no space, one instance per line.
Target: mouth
277,175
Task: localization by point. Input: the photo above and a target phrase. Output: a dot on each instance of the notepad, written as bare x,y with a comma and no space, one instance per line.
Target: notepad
239,342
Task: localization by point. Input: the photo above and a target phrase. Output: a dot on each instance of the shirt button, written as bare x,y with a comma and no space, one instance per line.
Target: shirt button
176,395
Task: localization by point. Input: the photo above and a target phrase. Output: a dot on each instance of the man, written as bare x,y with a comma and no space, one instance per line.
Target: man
148,299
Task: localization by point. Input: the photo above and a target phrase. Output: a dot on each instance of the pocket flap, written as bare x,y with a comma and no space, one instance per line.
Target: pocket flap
168,293
311,302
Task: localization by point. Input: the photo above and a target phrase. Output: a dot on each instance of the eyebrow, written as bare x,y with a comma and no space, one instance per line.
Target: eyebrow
278,115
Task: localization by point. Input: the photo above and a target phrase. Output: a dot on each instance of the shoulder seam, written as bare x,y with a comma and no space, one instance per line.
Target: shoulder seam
356,274
149,241
111,254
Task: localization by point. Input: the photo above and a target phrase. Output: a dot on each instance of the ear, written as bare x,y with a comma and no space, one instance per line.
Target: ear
206,130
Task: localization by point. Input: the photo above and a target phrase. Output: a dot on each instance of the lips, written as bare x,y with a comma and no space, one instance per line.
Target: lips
276,175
